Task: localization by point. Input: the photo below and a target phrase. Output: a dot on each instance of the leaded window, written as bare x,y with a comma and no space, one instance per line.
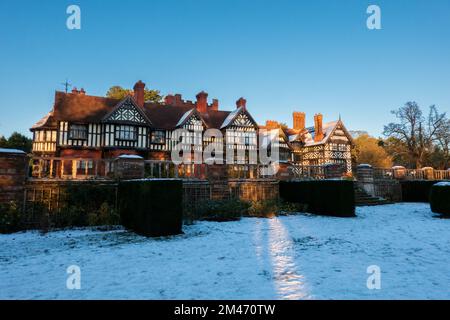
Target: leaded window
158,137
78,132
127,133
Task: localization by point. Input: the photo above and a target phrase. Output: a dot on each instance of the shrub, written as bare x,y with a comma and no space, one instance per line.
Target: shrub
10,218
416,190
324,197
152,207
440,198
221,210
264,209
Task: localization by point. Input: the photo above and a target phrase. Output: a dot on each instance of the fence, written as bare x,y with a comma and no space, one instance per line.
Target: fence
410,174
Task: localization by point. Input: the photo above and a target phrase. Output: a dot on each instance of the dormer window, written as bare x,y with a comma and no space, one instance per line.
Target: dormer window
78,132
127,133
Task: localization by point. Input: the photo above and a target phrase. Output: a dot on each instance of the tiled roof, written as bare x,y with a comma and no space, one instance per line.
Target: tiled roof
81,108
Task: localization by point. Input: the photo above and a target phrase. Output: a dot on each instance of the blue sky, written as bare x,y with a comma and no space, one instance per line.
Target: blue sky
282,56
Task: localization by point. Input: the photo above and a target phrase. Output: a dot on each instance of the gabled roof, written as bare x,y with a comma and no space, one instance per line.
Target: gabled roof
47,122
127,100
233,115
307,136
187,115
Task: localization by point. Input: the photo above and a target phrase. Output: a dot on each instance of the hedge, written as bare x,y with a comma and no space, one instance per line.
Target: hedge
416,190
440,198
152,207
323,197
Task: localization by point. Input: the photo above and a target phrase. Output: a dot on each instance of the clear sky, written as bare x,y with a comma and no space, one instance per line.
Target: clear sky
282,56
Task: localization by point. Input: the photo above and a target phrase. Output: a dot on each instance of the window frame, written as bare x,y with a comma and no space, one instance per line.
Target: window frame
163,136
119,131
85,127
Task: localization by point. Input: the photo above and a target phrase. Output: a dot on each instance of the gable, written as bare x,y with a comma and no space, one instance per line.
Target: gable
127,112
194,120
242,120
191,120
340,135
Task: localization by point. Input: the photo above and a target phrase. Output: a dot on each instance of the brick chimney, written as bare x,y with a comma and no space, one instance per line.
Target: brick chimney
318,131
82,92
75,90
241,103
214,105
272,124
139,93
173,100
299,120
169,100
202,102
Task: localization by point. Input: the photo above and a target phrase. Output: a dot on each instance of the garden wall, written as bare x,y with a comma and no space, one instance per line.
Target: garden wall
13,173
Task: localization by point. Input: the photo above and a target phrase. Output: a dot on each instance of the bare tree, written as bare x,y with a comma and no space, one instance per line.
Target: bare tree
418,133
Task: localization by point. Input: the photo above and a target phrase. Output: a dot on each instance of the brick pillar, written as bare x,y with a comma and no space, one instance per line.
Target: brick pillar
399,172
128,167
364,174
428,173
13,174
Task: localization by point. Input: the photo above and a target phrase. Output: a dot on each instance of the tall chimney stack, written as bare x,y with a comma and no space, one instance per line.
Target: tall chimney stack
318,131
241,103
299,120
139,88
202,102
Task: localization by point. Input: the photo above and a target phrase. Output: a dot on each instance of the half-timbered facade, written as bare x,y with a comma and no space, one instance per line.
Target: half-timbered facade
324,143
86,126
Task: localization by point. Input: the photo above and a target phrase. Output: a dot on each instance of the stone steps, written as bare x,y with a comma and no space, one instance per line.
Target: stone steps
362,198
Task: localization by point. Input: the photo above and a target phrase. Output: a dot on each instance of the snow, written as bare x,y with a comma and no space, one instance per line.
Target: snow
184,117
130,156
443,184
290,257
230,117
3,150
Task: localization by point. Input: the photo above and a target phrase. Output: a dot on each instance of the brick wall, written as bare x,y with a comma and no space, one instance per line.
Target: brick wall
13,173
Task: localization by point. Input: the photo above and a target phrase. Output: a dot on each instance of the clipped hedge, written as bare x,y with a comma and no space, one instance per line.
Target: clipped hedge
440,198
323,197
416,190
152,207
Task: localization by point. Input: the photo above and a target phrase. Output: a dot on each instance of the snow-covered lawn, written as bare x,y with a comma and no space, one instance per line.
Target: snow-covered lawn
294,257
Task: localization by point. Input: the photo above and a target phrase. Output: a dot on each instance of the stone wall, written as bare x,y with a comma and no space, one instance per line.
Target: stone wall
13,173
